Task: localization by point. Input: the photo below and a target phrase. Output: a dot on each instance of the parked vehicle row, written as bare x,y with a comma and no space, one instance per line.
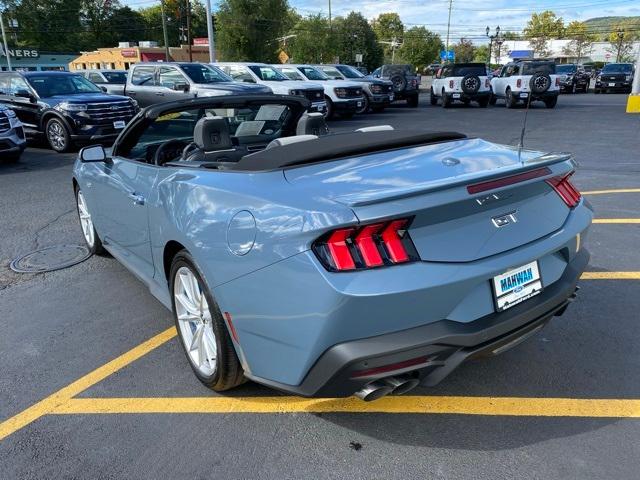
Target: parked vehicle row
12,137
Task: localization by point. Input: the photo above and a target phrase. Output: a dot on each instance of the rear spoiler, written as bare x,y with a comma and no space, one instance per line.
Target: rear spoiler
332,147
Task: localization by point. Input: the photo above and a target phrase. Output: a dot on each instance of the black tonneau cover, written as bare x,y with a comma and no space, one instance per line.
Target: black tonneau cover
331,147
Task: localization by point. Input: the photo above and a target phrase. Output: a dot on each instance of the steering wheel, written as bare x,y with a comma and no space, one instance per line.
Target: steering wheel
167,151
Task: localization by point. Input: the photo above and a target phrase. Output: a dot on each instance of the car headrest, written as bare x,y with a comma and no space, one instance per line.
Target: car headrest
376,128
212,133
278,142
312,124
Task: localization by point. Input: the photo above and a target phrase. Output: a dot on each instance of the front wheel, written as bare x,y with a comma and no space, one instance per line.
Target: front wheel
58,135
365,105
510,101
91,238
201,328
328,114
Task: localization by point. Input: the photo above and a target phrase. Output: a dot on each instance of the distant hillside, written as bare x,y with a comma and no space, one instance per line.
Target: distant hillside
604,25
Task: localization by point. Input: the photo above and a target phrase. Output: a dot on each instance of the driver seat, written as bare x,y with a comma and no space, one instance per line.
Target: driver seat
312,124
211,138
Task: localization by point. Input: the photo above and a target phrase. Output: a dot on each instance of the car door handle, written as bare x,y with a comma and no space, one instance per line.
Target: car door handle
137,198
160,94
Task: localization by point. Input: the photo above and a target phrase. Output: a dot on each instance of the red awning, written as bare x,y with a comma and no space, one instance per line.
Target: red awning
153,56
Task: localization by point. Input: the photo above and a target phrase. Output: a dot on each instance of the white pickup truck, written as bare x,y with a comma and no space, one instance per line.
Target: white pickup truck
464,82
527,81
263,74
343,97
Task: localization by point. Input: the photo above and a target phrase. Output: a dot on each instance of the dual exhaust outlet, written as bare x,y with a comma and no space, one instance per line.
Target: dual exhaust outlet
387,386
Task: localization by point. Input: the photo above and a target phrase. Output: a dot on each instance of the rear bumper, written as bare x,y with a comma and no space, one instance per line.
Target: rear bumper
523,96
470,96
380,100
439,347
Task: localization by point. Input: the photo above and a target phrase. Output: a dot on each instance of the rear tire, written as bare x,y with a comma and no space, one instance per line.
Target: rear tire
493,99
551,102
446,100
509,100
483,102
432,98
210,351
413,101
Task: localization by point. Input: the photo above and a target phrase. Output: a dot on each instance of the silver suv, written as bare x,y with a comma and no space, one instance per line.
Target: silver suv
12,139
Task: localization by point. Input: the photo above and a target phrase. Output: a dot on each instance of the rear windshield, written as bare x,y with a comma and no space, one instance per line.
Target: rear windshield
566,69
350,72
48,86
529,68
617,68
462,70
200,73
119,78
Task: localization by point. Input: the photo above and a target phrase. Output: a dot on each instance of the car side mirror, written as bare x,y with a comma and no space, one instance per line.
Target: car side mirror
92,154
25,94
248,80
181,87
104,89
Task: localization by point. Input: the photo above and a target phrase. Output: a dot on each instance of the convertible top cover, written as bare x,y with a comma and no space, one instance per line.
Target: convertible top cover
331,147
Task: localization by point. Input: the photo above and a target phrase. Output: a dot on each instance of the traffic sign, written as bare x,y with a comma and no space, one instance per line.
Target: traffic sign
283,57
447,55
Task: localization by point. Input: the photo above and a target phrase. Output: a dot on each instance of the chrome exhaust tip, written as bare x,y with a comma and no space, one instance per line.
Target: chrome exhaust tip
373,391
401,385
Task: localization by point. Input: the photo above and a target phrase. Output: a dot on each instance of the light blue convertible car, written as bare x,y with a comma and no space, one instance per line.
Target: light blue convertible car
320,264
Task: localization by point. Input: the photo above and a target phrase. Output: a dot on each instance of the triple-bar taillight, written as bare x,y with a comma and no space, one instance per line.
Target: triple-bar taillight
566,190
368,246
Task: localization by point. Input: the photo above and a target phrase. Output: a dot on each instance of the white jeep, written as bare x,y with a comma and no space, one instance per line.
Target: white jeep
464,82
527,81
264,74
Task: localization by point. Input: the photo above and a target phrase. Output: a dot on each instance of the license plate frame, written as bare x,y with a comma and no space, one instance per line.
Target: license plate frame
456,95
524,95
119,124
526,282
612,84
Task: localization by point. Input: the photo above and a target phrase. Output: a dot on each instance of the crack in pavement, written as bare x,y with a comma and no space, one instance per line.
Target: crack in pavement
47,225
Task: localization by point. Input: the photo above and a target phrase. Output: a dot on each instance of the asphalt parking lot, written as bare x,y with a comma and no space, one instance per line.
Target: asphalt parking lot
94,383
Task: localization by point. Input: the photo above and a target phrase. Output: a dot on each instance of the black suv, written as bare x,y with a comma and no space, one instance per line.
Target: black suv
406,84
615,77
65,107
573,78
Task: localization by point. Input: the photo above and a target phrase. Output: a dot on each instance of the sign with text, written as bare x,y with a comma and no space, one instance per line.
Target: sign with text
447,55
20,52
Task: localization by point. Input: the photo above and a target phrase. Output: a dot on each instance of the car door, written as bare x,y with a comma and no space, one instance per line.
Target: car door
172,85
23,100
499,83
143,85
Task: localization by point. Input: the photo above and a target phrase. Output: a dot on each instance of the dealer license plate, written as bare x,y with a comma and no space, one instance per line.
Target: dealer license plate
524,95
612,84
456,95
118,124
391,97
517,285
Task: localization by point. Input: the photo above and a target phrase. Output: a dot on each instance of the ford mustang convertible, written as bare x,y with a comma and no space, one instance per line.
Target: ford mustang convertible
332,264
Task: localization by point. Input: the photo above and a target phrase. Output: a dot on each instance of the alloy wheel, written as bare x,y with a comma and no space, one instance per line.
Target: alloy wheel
56,135
195,321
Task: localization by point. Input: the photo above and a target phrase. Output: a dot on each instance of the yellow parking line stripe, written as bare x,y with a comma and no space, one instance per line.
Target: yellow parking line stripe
504,406
49,403
616,220
604,192
610,276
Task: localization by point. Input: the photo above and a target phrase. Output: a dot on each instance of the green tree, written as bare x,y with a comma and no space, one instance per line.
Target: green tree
621,41
420,47
464,50
508,35
175,11
248,30
312,42
581,40
542,27
353,34
481,54
388,27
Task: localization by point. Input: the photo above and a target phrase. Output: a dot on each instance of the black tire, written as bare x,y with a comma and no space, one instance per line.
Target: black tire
58,135
493,99
596,91
539,83
432,98
96,248
551,102
509,100
413,101
347,115
446,100
574,87
483,102
470,84
586,88
399,83
365,105
328,114
228,373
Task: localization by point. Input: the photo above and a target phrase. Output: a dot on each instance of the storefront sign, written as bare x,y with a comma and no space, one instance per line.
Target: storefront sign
20,52
129,52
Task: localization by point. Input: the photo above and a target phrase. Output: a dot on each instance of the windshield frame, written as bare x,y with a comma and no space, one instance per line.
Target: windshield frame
216,72
617,68
256,70
560,69
308,68
92,87
109,77
351,71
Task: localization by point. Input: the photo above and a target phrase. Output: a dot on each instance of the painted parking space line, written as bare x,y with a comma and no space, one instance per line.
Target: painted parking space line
606,192
48,404
616,220
502,406
62,401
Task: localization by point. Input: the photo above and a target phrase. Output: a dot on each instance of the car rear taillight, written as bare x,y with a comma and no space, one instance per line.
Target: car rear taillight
519,83
563,187
369,246
487,83
450,83
557,82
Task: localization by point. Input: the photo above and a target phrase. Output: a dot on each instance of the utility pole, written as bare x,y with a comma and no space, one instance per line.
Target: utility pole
4,40
620,33
329,14
212,51
189,30
164,31
446,48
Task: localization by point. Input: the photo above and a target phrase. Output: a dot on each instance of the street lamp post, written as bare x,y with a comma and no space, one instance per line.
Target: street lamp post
497,39
620,34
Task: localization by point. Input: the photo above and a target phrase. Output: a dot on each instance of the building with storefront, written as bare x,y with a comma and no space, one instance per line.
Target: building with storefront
125,55
26,58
